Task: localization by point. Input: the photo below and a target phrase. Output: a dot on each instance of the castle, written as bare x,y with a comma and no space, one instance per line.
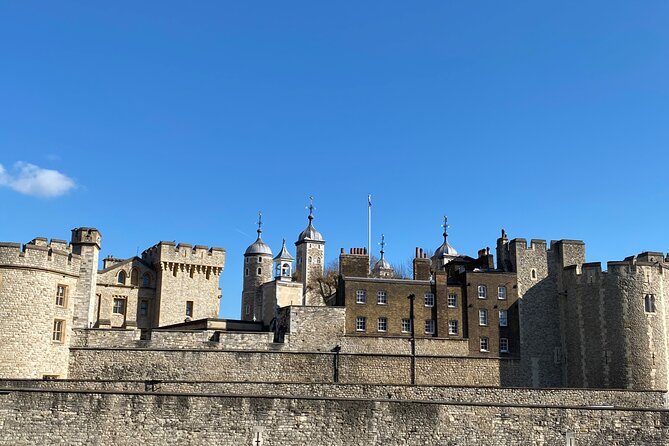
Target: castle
530,331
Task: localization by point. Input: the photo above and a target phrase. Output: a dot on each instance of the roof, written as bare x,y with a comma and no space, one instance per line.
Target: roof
283,254
310,234
258,247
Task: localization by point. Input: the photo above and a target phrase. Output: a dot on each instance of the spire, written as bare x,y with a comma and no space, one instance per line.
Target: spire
259,230
445,226
383,245
311,208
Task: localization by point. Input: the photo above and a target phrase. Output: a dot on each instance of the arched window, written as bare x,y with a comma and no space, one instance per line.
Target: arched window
146,280
285,270
259,271
649,303
121,277
134,277
534,274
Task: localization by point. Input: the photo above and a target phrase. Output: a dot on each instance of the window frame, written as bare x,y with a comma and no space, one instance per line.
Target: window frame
360,324
504,319
428,299
61,300
124,305
190,308
360,297
483,340
482,291
429,327
453,327
483,317
379,299
382,321
504,345
454,298
58,331
649,303
406,325
501,292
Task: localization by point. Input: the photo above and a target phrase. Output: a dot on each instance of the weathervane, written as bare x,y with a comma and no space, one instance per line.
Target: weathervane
445,226
311,207
383,245
259,223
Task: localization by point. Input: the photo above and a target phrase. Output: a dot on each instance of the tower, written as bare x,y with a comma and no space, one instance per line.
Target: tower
257,270
86,243
283,264
310,257
445,253
382,268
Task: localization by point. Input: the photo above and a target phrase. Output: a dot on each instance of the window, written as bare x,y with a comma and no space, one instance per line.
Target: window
259,271
247,309
119,305
189,308
503,318
318,260
483,344
429,326
259,259
144,308
533,274
360,323
121,277
246,272
60,295
383,324
453,328
503,345
146,280
429,300
381,298
483,292
483,317
452,300
58,334
406,325
309,259
501,292
361,297
649,303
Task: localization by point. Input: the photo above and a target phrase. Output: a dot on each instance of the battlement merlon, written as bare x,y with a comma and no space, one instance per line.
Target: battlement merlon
55,256
185,253
86,236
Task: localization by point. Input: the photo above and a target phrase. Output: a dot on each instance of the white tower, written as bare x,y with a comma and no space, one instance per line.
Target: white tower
257,271
310,258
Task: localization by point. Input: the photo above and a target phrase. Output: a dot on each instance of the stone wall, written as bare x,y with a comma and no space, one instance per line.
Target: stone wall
465,394
29,279
287,366
29,417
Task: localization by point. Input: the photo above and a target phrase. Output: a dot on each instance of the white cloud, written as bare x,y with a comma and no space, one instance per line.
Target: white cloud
30,179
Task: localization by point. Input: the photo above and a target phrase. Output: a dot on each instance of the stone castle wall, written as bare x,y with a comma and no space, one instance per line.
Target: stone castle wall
68,417
287,366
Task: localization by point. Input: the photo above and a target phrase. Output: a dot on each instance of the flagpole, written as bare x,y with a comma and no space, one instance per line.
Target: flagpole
369,231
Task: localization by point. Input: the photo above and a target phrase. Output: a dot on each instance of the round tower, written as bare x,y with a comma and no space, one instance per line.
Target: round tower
310,258
257,271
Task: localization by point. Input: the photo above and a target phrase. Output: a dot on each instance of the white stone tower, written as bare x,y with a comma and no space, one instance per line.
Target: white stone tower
310,258
257,271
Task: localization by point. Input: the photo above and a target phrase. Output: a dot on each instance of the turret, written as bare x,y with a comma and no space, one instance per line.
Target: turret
444,253
283,263
257,271
310,258
382,268
86,243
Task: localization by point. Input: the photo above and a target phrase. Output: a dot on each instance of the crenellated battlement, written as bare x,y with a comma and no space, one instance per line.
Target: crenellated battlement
184,253
634,266
55,255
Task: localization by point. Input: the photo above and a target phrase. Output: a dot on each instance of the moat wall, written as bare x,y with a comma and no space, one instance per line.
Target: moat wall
53,417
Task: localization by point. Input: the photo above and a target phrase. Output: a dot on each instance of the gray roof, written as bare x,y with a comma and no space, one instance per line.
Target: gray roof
283,254
445,250
382,263
258,247
310,234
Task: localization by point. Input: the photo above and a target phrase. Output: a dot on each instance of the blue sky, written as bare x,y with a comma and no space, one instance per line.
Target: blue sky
179,121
